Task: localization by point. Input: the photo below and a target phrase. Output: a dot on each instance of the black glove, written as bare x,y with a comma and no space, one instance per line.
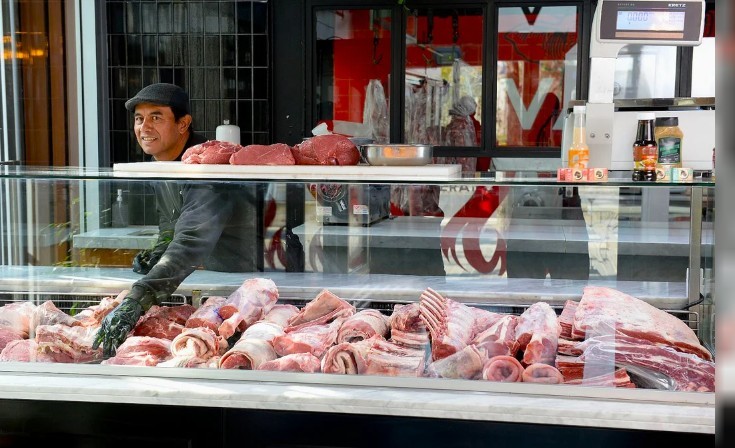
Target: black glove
145,260
116,326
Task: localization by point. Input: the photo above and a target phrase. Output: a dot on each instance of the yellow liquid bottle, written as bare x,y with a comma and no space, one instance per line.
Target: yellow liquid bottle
579,152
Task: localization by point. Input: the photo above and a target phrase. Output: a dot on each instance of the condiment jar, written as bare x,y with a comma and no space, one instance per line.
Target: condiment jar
645,153
669,141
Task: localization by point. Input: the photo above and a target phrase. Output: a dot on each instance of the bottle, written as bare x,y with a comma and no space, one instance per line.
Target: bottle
645,151
579,152
119,211
669,142
227,132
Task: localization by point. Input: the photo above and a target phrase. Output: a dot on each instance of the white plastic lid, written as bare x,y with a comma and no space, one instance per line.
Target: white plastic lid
580,109
646,116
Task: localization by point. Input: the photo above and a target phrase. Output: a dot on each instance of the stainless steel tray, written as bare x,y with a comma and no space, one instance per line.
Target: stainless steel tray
397,155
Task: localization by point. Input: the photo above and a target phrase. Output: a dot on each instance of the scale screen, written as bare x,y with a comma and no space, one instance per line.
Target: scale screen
651,21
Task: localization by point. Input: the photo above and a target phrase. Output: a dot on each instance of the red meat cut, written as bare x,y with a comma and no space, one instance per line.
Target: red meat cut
212,152
275,154
329,149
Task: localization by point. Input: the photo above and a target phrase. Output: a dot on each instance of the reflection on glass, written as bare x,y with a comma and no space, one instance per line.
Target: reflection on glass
536,73
703,76
353,65
444,77
645,71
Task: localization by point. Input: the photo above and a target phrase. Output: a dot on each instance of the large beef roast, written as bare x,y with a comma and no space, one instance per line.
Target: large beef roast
276,154
212,152
329,149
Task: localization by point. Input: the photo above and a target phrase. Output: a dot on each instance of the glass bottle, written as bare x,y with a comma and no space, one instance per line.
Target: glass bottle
645,150
579,152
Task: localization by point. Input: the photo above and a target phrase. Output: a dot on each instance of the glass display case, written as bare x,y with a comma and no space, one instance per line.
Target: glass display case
384,291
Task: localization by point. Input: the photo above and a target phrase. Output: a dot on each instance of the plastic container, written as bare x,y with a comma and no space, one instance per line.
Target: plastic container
227,132
579,152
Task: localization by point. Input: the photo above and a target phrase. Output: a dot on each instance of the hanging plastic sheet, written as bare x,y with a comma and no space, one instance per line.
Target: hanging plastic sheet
375,112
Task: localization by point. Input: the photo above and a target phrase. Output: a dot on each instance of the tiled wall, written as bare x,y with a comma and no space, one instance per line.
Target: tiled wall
216,50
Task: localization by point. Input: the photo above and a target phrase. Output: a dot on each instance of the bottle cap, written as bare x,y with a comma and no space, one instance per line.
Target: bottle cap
580,109
667,121
637,175
649,175
646,116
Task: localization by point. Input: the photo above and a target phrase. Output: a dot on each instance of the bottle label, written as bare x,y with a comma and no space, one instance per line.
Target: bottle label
669,150
645,157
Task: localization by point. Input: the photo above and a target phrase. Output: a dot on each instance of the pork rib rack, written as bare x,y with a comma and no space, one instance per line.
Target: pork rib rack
450,323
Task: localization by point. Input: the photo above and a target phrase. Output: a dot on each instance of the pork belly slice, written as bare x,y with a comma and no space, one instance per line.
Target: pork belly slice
8,335
92,316
141,351
618,378
374,356
324,308
542,373
17,318
499,338
248,354
465,364
296,362
569,347
406,326
198,343
206,315
450,323
689,372
566,319
363,325
68,344
165,322
537,334
247,305
23,350
603,310
503,368
280,314
314,339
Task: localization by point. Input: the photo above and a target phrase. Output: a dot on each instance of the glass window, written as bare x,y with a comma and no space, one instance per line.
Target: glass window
444,49
536,73
645,71
353,66
703,75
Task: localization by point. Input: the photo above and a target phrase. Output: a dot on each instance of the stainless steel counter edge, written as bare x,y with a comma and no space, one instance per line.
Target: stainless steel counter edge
415,397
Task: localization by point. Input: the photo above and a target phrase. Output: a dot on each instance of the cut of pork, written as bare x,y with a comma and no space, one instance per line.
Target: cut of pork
374,356
407,328
503,368
363,325
314,339
566,319
275,154
465,364
248,354
47,314
212,152
207,315
499,338
68,344
280,314
8,335
451,324
141,351
92,316
323,309
542,373
537,334
17,318
198,342
247,305
23,350
165,322
296,362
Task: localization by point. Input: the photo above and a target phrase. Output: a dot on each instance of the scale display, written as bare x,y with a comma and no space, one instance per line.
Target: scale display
652,21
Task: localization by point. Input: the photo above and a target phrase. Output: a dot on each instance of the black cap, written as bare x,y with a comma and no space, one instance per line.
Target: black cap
667,121
162,94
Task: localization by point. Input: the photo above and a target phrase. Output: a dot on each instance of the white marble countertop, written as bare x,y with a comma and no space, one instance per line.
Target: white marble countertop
516,403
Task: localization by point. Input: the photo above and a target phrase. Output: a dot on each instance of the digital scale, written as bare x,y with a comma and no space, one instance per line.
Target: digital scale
618,23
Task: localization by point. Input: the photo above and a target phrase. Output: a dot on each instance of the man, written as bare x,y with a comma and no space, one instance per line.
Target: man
200,223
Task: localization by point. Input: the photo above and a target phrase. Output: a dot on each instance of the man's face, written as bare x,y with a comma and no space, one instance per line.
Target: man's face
158,132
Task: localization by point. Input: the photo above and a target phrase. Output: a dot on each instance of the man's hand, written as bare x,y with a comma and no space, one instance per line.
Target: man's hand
145,260
117,325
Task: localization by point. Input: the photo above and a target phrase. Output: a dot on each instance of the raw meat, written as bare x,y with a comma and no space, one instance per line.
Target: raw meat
450,323
499,338
566,319
406,326
141,351
619,378
276,154
212,152
571,367
374,356
363,325
568,347
248,354
68,344
8,335
465,364
47,314
92,316
314,339
503,368
484,319
688,371
18,317
265,331
280,314
23,350
206,315
329,149
198,343
297,362
542,373
191,362
165,322
537,333
603,310
247,305
324,308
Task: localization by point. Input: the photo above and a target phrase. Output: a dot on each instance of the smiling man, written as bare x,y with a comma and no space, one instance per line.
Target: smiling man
214,225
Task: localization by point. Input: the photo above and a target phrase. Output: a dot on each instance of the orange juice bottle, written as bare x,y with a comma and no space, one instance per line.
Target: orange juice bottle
579,152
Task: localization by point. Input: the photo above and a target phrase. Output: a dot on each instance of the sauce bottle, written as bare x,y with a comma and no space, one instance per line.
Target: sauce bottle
669,140
579,152
645,150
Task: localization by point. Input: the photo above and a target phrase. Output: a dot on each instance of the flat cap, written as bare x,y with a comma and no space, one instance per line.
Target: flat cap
163,94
